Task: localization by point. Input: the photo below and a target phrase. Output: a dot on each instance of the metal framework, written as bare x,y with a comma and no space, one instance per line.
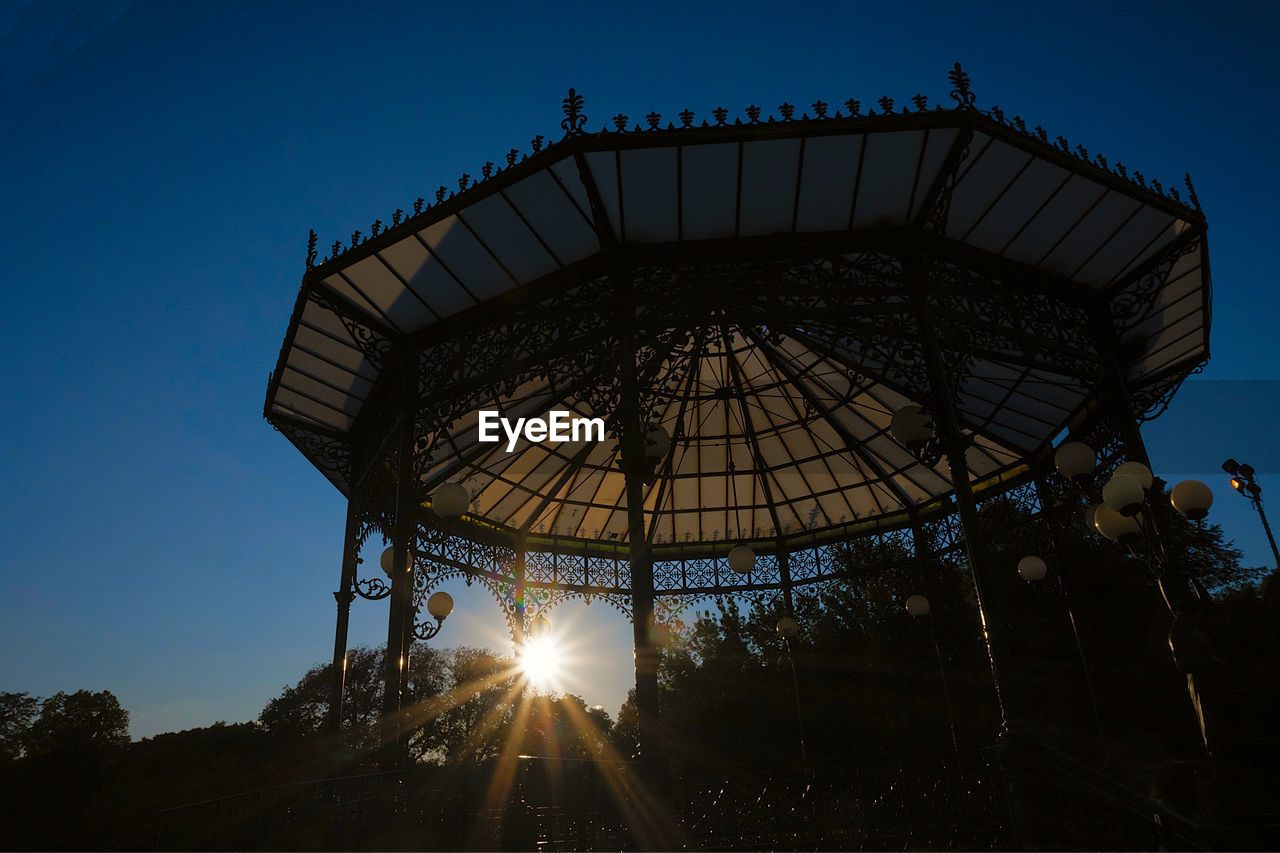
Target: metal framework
768,290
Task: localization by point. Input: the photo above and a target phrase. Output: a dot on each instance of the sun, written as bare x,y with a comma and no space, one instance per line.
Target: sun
540,663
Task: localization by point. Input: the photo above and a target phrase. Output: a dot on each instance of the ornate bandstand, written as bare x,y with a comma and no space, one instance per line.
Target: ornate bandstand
800,329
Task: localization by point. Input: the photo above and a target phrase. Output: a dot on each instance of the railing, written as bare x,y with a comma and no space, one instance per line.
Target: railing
952,801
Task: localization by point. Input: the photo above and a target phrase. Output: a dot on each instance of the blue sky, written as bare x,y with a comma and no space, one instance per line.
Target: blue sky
164,161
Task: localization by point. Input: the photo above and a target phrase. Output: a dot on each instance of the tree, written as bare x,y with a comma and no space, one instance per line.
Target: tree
470,717
17,711
79,722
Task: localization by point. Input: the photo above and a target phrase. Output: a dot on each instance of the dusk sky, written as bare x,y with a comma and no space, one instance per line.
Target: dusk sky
164,161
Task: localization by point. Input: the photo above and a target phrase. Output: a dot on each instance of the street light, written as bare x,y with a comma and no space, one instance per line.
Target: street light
742,559
450,500
439,604
912,427
918,608
1244,480
789,629
1033,570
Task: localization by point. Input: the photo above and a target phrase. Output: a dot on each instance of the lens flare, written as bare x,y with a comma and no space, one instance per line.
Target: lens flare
540,663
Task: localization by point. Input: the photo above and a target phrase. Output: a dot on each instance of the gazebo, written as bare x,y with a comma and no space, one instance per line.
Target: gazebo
797,329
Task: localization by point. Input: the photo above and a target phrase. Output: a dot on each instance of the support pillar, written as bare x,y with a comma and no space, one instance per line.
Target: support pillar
344,596
784,576
642,595
954,446
402,540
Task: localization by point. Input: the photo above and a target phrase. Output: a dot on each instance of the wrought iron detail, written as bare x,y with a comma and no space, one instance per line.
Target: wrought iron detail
1153,400
1137,300
960,91
375,344
372,588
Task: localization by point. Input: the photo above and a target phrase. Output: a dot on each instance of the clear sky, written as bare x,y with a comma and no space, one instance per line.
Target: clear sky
163,161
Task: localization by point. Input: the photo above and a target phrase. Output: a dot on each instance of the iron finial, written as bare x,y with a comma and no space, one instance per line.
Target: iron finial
961,92
574,118
311,248
1195,200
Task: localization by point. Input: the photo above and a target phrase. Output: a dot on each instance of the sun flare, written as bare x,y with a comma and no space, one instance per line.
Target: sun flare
540,663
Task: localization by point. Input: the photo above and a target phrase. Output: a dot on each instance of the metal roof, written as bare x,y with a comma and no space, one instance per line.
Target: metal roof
749,243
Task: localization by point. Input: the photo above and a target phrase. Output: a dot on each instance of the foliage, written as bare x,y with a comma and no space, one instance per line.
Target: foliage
17,711
78,723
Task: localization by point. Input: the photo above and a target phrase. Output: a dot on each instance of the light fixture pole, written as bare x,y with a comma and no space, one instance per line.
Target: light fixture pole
789,629
918,607
1132,511
1244,480
1033,570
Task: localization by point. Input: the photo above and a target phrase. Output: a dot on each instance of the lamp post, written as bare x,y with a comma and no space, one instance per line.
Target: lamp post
449,502
790,629
918,607
1127,516
1244,480
1033,570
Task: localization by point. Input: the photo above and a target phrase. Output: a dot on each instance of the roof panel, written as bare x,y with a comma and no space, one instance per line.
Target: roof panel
649,194
888,178
1025,195
553,214
1145,227
1097,227
936,150
375,280
769,172
709,194
603,167
438,289
454,246
827,182
496,223
988,172
1070,197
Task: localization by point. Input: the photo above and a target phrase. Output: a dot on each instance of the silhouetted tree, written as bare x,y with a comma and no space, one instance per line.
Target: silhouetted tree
17,711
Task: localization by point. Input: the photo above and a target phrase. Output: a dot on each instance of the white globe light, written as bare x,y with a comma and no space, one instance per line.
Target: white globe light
1137,471
440,605
918,605
1192,498
1031,568
1116,527
742,559
1124,494
539,627
450,500
1075,459
788,627
388,561
657,443
910,426
1089,513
